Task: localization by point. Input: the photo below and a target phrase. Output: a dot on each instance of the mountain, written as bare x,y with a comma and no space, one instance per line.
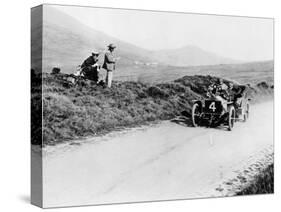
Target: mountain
67,42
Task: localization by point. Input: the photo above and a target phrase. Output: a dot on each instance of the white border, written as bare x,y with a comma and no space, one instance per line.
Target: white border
15,112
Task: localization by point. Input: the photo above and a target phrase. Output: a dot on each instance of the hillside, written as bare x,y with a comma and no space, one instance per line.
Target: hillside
190,56
67,42
243,73
36,39
71,112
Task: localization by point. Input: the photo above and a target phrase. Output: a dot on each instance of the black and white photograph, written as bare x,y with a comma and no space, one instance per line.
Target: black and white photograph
133,106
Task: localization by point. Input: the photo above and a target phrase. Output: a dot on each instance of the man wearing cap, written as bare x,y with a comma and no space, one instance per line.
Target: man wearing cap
219,90
109,64
90,67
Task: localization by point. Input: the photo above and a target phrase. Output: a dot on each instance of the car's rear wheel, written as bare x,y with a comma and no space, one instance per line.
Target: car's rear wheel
231,118
245,117
196,115
246,112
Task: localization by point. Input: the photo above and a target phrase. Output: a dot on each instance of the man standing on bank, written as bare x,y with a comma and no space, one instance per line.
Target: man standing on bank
109,64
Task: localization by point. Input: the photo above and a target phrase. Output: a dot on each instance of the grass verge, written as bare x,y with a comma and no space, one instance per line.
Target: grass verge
262,184
72,112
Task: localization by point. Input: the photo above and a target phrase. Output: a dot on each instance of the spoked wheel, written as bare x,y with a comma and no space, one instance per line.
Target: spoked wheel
196,115
245,117
231,118
247,110
246,114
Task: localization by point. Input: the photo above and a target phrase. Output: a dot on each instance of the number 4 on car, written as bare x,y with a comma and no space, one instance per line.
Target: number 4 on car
211,113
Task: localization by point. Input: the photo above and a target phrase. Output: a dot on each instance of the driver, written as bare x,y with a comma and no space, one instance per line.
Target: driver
219,91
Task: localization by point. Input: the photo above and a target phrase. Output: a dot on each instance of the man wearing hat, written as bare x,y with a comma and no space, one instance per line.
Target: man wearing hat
90,67
109,64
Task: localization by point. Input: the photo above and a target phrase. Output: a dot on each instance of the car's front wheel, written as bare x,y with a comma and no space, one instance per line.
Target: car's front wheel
246,112
196,115
231,118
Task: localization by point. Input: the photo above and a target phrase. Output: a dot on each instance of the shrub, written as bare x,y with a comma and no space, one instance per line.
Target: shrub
156,92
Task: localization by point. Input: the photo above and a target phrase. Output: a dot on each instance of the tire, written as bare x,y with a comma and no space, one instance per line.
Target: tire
246,113
231,118
196,115
245,117
247,110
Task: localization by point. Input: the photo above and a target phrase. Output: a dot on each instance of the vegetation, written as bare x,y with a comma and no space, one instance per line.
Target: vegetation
262,184
71,112
36,108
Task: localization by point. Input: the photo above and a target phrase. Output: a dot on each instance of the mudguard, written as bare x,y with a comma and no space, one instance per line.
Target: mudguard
198,102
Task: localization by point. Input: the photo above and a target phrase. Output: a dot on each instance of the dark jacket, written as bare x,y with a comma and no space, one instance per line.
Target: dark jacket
218,89
89,62
238,91
109,61
89,71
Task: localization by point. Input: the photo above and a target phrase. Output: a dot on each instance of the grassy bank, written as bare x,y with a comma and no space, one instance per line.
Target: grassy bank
262,184
71,112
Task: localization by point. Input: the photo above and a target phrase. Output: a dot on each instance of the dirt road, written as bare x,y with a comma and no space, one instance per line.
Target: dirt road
168,160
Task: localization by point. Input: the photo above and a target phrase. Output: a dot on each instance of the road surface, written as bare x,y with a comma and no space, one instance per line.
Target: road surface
165,161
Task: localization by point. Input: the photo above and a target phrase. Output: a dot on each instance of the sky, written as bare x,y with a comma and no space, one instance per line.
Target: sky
240,38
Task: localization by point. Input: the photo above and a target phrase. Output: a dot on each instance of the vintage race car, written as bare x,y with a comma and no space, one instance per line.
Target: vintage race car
210,112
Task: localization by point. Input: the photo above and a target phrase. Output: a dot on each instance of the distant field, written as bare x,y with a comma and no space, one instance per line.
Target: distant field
243,73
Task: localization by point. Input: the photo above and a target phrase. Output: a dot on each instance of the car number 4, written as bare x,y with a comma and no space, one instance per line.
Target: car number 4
212,106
